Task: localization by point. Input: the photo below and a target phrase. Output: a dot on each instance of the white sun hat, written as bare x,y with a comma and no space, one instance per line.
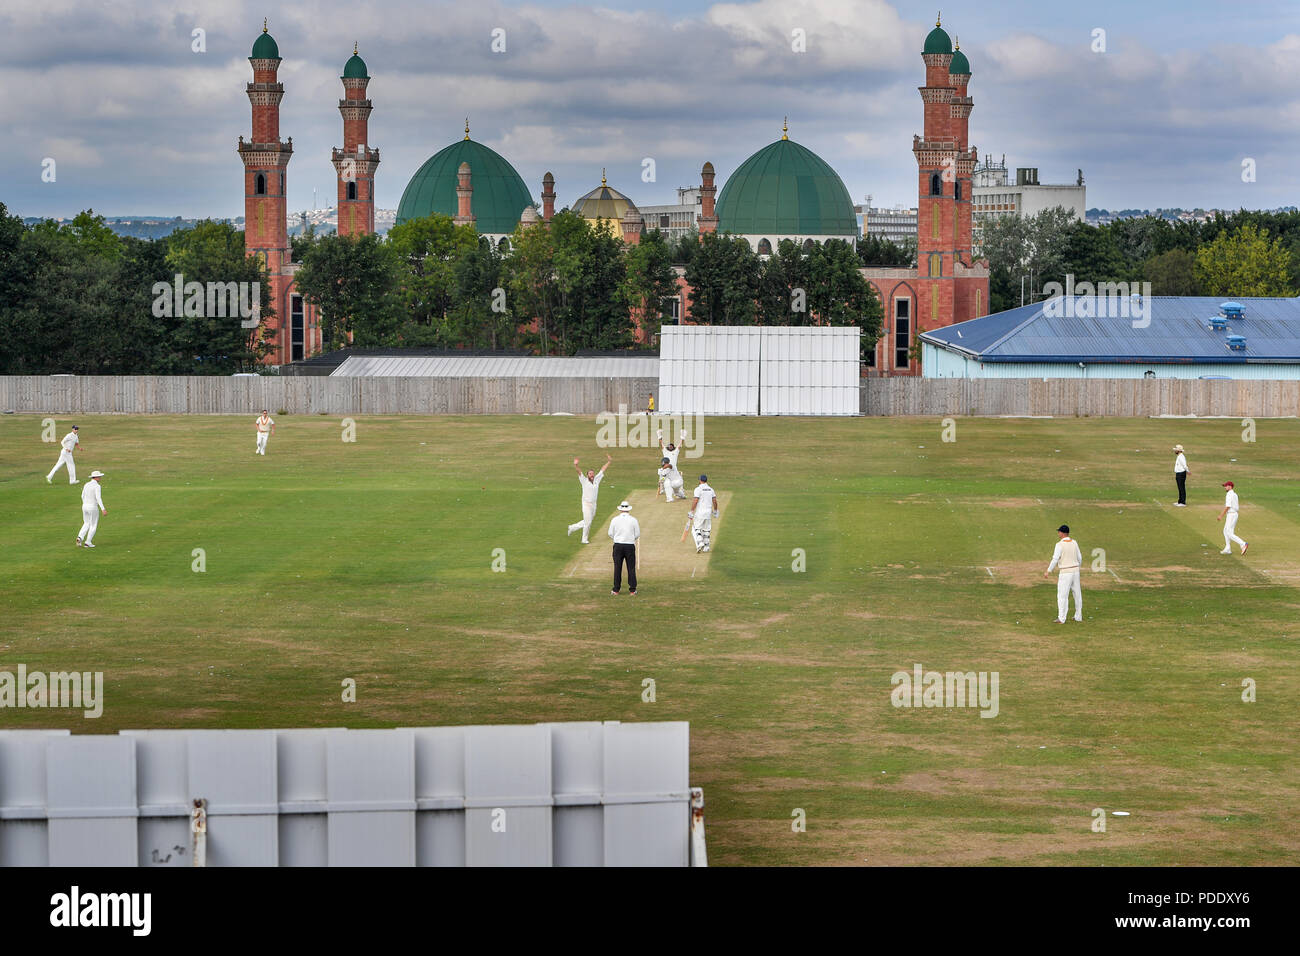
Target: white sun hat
96,474
625,507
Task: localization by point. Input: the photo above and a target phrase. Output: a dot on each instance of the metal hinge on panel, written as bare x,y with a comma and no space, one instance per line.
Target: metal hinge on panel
199,831
699,857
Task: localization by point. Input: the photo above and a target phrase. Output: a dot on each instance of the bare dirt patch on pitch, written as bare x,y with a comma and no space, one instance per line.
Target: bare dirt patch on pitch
663,555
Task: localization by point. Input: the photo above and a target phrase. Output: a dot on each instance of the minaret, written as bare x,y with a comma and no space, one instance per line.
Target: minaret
265,159
548,197
464,195
356,161
964,168
708,221
631,225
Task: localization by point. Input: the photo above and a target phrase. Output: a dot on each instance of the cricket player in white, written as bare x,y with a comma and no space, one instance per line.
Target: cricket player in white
1068,556
92,506
1180,476
703,510
670,480
265,429
590,489
670,451
1230,505
69,444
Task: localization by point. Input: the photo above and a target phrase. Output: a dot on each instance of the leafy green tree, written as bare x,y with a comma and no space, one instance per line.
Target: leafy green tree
1244,263
650,281
482,317
353,281
429,249
210,344
1172,273
724,278
875,251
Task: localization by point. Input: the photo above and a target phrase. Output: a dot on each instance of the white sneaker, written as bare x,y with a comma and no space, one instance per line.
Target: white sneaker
75,481
78,542
1179,504
1226,551
1079,620
569,533
49,480
87,545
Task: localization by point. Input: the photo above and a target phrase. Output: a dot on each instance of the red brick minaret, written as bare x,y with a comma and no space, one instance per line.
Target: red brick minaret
356,161
945,164
708,219
265,158
548,197
464,197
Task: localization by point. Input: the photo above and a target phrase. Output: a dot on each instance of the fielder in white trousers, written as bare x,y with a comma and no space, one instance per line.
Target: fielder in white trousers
1069,558
1229,517
67,446
92,503
590,483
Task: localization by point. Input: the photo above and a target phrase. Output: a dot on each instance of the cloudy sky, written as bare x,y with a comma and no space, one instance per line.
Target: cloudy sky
139,123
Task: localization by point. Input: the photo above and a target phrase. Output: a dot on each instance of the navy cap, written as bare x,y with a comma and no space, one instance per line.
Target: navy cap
1064,529
76,428
704,477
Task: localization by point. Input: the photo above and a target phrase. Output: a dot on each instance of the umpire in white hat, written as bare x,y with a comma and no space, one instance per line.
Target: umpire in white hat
625,530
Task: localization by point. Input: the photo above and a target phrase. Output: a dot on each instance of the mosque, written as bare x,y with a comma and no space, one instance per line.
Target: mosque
783,191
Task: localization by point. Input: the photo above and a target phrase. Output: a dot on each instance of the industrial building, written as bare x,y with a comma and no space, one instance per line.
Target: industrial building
1099,337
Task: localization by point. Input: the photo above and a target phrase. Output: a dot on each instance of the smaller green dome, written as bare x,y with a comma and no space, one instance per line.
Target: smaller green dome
938,41
355,68
959,63
264,47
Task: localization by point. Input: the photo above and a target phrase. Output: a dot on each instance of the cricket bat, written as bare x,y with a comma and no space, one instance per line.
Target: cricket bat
687,528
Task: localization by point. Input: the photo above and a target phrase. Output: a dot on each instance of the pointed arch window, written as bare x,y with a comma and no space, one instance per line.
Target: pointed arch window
936,185
352,189
259,186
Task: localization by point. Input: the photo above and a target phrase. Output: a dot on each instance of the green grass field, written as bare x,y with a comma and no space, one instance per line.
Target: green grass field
372,561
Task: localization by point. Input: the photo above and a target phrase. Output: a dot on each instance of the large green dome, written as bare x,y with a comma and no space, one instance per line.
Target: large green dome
499,194
786,190
264,47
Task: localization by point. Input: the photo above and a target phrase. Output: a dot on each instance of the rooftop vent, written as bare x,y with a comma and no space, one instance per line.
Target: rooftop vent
1237,342
1233,310
1219,322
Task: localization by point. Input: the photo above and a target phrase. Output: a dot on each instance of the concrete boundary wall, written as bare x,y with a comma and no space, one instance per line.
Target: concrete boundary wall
306,395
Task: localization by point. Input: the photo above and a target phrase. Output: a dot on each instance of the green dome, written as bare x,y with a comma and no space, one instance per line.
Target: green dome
959,63
938,42
786,190
355,68
499,193
264,48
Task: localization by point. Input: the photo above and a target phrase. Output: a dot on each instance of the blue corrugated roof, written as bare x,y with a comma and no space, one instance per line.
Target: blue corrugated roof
1178,331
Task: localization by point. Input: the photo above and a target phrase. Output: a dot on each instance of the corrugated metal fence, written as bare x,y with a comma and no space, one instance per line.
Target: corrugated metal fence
1111,397
567,794
308,395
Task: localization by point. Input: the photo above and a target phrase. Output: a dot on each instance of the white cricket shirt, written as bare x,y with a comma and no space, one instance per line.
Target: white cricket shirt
671,454
590,488
264,424
624,529
1180,463
706,496
70,441
92,496
1230,501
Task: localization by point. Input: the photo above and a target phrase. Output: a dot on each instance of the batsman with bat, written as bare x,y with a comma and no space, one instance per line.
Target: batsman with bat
703,510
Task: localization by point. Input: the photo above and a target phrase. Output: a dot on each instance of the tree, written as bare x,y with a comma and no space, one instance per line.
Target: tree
650,281
875,251
724,279
1172,273
481,316
430,249
353,281
210,344
1244,263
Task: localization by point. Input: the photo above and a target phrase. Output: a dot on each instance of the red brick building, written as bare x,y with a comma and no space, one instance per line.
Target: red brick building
948,285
